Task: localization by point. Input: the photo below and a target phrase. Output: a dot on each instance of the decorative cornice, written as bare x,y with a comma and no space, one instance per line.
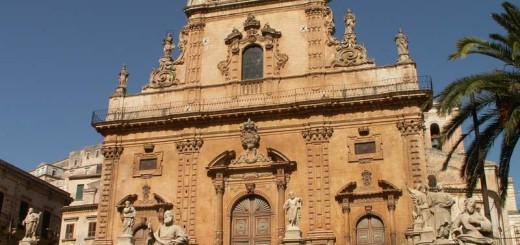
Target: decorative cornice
112,152
317,134
80,208
189,145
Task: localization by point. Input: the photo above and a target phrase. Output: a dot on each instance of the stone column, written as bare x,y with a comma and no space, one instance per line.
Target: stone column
106,203
187,183
218,182
281,185
391,208
318,177
411,132
345,206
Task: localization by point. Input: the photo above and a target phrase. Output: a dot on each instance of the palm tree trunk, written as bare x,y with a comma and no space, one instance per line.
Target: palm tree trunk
483,181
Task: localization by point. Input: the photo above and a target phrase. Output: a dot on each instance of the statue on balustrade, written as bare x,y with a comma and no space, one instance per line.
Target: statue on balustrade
470,227
168,233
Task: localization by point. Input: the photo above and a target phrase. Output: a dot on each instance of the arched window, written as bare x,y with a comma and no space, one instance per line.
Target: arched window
435,133
252,63
251,221
370,231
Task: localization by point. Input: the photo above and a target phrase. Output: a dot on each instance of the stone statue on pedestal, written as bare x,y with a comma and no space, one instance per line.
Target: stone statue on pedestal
441,203
470,227
30,223
168,233
127,228
293,210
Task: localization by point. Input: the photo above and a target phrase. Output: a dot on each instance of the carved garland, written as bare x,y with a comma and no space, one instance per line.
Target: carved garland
266,37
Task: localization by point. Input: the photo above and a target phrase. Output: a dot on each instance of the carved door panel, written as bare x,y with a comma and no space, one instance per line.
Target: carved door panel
141,236
251,222
370,231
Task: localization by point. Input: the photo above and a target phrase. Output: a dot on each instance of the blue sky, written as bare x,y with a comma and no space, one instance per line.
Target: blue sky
59,59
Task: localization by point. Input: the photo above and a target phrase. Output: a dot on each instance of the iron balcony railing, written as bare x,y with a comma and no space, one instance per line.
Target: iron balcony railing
261,99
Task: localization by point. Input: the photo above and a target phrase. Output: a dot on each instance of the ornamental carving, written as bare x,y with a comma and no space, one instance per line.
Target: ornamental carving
112,152
183,36
319,134
349,52
250,141
189,145
409,127
265,37
164,76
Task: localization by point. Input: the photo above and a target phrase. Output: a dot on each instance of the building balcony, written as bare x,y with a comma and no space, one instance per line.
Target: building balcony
385,89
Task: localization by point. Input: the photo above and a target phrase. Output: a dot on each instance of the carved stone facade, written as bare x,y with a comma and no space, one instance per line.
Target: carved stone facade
224,149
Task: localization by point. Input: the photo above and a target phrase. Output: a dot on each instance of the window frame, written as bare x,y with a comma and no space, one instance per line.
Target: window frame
82,192
137,172
365,157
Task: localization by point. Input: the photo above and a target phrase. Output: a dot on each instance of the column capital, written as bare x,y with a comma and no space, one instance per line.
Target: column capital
112,152
189,145
317,134
410,127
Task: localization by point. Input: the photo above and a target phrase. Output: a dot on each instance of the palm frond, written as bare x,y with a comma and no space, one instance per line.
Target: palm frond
506,151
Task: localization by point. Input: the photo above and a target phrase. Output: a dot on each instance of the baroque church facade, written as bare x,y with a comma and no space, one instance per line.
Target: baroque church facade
263,100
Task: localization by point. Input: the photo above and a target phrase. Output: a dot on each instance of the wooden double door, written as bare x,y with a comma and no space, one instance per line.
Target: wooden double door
251,221
370,231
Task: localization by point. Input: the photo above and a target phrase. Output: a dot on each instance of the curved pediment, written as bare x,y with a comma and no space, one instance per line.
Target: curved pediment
222,160
156,202
276,155
351,191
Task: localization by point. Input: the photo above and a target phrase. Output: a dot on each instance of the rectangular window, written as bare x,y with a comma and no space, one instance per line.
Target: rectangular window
1,201
97,153
45,224
24,209
98,168
147,164
69,231
365,148
88,155
79,192
91,229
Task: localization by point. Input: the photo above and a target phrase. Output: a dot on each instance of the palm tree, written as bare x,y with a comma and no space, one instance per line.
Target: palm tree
493,95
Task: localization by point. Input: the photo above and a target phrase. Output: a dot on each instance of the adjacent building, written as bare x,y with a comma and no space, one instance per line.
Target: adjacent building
20,191
79,174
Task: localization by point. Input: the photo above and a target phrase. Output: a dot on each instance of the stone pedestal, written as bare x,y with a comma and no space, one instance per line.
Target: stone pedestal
27,241
125,240
293,236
